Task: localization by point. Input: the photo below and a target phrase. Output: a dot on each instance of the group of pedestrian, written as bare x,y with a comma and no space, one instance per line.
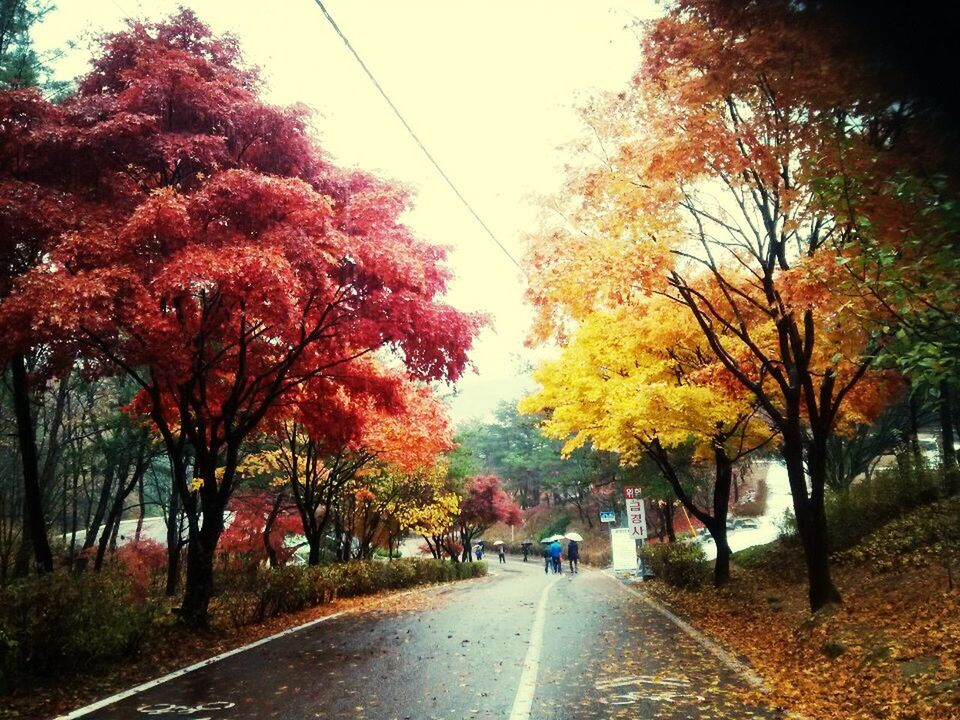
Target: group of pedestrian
553,557
501,552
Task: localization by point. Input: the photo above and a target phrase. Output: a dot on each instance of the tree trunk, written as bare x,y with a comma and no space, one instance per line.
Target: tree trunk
103,502
914,431
174,546
116,532
313,541
721,503
173,570
74,518
35,526
202,544
721,568
951,473
64,508
108,536
268,528
141,510
112,526
201,549
668,511
199,586
810,514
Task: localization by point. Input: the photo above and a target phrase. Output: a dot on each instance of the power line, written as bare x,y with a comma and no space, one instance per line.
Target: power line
416,139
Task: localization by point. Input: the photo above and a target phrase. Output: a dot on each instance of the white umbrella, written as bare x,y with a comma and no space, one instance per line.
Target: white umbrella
576,537
498,542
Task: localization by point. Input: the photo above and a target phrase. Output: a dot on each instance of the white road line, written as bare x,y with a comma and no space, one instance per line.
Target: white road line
523,702
86,710
749,676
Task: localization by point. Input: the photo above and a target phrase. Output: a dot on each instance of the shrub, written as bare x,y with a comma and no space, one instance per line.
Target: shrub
145,563
275,591
925,536
864,506
680,564
65,621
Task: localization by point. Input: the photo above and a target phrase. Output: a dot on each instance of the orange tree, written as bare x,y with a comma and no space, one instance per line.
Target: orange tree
710,192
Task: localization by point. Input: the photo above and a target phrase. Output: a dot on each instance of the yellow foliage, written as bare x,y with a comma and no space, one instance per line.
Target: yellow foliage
633,375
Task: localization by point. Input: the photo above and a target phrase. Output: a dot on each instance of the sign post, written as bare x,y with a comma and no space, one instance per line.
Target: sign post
636,519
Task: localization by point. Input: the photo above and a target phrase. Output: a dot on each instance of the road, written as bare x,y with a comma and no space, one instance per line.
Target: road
517,645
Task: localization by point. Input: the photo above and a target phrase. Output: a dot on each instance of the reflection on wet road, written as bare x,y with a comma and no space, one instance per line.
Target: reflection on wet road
520,644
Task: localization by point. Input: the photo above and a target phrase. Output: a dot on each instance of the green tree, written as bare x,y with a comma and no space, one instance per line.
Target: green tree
531,465
20,64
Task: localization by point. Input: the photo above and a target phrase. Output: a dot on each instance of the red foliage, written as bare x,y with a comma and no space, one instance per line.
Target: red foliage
244,537
142,561
219,259
487,503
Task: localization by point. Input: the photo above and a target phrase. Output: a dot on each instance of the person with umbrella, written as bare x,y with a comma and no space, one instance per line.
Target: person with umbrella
547,560
573,551
501,552
525,548
556,555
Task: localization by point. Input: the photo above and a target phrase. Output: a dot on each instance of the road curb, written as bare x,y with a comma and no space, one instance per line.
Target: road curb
732,662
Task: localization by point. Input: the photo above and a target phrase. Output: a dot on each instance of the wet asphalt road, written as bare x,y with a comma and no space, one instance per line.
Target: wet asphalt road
459,654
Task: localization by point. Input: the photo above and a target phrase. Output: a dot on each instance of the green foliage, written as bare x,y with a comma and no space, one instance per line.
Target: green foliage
61,622
682,565
918,277
855,453
864,506
463,464
275,591
20,65
557,527
513,448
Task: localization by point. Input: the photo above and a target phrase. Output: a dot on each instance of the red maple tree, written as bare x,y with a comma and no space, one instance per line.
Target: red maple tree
485,503
230,263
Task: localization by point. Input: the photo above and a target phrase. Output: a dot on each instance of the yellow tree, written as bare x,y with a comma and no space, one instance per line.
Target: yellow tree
638,381
390,500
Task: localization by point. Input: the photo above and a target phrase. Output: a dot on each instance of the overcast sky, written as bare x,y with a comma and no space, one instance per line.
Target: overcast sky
490,87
